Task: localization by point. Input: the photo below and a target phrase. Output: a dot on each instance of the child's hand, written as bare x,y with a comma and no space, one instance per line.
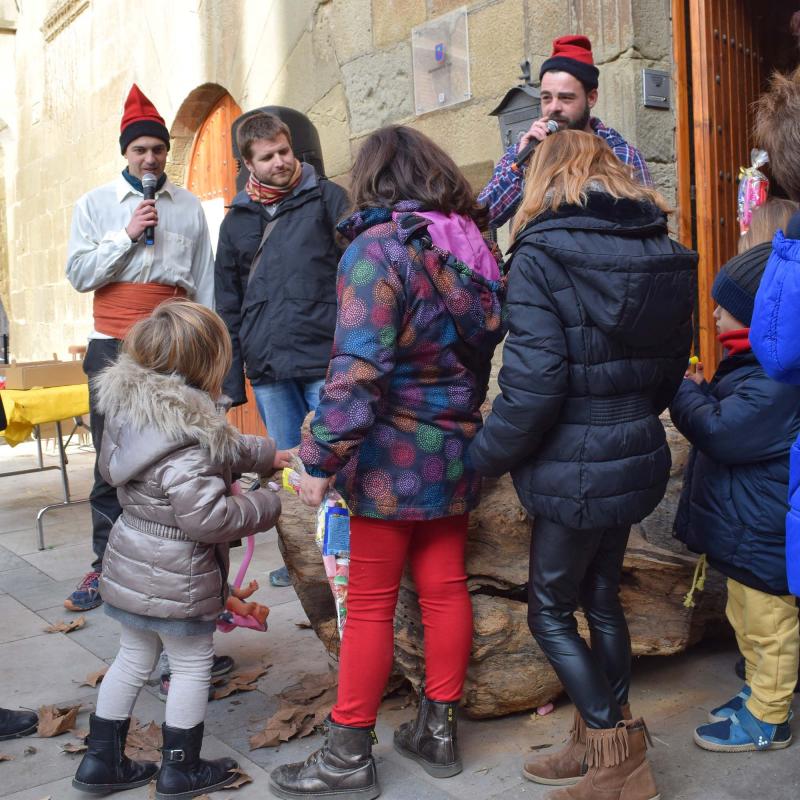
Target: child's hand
312,490
698,376
283,458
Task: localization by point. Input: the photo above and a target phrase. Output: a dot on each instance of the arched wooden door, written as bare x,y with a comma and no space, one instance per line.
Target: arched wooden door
212,177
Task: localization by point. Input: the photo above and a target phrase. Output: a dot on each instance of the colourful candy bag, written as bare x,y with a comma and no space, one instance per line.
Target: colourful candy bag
332,535
753,189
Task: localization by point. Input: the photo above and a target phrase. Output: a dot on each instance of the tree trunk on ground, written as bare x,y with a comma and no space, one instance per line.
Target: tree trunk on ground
507,671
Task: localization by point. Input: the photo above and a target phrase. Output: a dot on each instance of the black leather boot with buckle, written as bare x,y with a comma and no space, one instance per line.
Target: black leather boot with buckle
343,768
183,773
104,767
432,738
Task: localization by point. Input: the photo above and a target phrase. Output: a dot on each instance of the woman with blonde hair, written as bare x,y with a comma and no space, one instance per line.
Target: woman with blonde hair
600,304
772,216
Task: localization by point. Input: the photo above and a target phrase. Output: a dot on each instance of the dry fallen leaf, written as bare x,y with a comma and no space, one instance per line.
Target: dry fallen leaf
304,626
66,627
29,750
304,706
240,781
55,720
241,682
93,678
74,747
144,741
6,757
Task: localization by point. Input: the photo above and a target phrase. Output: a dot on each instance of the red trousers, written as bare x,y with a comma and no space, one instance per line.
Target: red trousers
378,552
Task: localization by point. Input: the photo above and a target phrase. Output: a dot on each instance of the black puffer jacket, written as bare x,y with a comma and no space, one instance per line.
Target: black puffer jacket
281,319
600,304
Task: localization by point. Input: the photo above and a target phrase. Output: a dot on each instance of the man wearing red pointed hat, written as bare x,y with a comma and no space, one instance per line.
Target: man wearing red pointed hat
569,81
108,255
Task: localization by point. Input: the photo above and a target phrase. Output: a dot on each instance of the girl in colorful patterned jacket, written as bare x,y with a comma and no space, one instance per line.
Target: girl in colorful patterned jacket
419,294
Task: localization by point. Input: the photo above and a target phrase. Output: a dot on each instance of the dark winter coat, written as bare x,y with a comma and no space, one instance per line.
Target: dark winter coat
410,368
600,303
281,320
735,488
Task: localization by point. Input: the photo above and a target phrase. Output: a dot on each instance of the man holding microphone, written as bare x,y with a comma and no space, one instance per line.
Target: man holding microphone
569,81
133,253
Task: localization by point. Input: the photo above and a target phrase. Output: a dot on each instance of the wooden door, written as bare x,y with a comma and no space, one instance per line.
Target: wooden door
726,73
212,177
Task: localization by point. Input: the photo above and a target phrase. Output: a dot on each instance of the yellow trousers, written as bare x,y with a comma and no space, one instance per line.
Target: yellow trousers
768,634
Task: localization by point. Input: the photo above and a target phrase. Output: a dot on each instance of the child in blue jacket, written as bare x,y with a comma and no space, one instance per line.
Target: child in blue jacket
776,317
742,425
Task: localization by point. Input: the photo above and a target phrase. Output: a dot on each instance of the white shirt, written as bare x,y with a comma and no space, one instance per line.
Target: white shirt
101,252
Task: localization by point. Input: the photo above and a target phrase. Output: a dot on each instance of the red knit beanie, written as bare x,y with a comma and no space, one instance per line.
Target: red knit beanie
573,54
140,118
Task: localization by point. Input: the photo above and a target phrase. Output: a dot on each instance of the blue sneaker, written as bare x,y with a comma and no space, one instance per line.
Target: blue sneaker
727,710
87,595
742,732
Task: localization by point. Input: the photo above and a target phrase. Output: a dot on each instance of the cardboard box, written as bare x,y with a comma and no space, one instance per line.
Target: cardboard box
33,374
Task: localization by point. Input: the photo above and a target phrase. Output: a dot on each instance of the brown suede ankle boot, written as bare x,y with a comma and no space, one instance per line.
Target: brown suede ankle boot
617,766
566,765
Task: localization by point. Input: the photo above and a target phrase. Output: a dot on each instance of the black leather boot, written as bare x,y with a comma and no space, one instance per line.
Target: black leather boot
14,724
183,773
343,768
105,768
431,739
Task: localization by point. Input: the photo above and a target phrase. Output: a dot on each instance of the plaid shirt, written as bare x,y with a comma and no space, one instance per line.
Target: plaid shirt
504,191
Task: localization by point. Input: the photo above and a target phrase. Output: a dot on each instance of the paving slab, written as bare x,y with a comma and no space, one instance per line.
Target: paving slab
44,669
9,560
68,561
99,635
17,622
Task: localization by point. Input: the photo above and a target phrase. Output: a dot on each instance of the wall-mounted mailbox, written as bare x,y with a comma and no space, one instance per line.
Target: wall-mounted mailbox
517,111
656,88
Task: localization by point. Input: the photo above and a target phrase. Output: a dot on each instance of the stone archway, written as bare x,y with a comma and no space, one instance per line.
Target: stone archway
190,116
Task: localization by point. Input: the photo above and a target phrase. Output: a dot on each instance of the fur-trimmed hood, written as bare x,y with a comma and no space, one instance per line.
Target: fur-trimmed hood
149,415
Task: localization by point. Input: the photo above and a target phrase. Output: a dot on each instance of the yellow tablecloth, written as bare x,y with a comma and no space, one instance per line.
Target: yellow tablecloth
29,407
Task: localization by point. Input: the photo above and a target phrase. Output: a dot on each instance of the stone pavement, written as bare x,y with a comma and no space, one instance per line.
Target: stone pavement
673,693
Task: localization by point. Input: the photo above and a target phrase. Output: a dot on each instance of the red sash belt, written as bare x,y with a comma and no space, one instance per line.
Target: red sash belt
119,306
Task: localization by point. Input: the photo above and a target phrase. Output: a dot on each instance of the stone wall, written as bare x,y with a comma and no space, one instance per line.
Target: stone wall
346,63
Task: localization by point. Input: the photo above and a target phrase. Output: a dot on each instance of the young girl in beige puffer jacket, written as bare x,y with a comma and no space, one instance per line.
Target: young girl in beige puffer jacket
171,453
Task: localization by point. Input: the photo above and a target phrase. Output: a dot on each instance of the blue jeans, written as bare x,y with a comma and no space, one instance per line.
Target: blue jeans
283,406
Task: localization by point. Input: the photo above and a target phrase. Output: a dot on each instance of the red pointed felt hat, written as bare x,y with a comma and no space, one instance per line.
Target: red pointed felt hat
140,118
578,48
573,54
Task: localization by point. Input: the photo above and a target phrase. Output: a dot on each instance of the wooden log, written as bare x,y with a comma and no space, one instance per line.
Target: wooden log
508,672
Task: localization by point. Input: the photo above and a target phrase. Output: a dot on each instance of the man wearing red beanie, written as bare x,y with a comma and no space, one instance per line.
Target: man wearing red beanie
108,255
569,82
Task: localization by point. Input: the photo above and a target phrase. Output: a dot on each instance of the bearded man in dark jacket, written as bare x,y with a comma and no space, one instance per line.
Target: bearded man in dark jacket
600,303
281,313
275,281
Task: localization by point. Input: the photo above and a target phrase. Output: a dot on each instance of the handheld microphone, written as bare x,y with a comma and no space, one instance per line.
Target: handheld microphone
149,182
527,151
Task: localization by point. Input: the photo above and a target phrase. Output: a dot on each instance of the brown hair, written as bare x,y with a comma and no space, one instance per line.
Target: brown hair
185,338
398,163
766,220
564,167
777,129
260,126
